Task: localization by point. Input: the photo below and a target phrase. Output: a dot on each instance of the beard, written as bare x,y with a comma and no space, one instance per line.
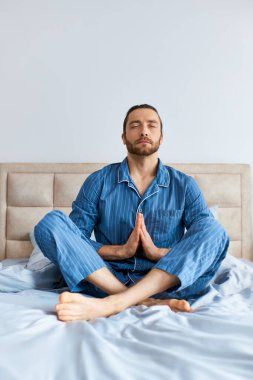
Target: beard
142,150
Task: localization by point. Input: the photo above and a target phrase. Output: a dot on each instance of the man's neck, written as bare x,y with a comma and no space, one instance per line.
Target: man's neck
142,166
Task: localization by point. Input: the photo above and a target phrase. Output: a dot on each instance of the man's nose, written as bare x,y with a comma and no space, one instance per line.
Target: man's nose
144,131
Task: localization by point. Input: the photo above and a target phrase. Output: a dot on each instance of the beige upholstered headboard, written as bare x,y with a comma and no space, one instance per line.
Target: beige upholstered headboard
28,191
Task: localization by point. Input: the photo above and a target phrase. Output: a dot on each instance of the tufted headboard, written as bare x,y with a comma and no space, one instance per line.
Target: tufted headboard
29,190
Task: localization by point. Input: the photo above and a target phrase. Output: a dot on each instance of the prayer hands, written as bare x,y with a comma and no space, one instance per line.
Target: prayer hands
141,235
133,242
152,251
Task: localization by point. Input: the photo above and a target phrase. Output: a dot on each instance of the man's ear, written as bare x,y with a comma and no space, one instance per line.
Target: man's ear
123,139
161,139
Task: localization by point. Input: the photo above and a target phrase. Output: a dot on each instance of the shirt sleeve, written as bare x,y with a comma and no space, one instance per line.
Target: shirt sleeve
85,212
203,241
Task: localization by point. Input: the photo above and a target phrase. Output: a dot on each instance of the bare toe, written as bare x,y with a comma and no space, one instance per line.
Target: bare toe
67,297
174,304
182,305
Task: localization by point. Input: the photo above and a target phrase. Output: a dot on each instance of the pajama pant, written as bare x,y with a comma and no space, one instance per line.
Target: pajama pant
62,242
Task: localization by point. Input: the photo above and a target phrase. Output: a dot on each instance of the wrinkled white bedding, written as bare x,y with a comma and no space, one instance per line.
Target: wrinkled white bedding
213,342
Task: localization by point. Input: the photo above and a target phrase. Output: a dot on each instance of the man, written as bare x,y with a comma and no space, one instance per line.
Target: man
139,210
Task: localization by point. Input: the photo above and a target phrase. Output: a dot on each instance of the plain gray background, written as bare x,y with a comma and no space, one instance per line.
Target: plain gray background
69,70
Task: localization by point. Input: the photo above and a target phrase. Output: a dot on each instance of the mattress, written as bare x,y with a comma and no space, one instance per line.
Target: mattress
212,342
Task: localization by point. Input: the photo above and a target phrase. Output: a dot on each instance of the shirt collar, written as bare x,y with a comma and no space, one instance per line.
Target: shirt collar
162,177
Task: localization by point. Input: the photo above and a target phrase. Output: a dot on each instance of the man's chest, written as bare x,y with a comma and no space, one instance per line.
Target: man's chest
142,185
162,211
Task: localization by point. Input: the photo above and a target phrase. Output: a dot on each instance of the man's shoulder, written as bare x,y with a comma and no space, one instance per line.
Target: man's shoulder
176,174
95,180
100,175
107,169
181,180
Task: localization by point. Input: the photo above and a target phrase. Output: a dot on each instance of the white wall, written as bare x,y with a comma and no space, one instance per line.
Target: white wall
69,70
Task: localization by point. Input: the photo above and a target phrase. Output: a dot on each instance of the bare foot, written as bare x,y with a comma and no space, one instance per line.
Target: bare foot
174,304
74,306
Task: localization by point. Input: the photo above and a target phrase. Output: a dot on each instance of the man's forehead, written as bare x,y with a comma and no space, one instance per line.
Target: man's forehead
143,113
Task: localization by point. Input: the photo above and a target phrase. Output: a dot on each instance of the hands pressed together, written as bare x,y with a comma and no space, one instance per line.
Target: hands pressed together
141,235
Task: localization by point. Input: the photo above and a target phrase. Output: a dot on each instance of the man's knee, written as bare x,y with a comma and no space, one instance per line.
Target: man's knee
49,224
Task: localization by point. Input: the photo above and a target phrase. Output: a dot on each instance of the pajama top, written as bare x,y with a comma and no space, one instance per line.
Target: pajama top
175,212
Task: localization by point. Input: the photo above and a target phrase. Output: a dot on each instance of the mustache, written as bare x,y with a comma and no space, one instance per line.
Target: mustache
144,139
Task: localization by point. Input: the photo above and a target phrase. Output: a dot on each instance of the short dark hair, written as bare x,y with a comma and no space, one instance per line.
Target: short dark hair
136,108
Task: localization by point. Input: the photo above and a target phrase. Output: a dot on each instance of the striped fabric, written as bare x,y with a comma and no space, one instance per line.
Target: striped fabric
108,203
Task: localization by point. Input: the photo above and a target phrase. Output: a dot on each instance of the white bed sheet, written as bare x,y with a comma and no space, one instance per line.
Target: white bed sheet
213,342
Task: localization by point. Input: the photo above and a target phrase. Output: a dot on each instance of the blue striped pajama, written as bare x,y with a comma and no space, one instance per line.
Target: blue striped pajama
108,203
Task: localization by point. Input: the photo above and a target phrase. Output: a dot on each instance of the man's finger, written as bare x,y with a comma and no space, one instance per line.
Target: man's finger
144,231
143,220
144,226
138,221
142,236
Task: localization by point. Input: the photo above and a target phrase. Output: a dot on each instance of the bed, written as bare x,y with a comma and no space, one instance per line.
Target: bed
212,342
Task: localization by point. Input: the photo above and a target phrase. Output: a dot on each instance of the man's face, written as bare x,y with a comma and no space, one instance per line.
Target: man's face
143,132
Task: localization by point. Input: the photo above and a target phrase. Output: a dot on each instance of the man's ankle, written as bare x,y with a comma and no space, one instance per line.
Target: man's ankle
117,302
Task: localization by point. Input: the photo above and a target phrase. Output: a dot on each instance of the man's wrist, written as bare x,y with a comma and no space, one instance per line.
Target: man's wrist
122,251
112,252
161,252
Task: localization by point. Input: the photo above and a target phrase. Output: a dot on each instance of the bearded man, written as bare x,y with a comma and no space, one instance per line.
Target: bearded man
155,235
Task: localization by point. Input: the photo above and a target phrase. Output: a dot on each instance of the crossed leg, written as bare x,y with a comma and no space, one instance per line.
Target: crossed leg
63,243
74,306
